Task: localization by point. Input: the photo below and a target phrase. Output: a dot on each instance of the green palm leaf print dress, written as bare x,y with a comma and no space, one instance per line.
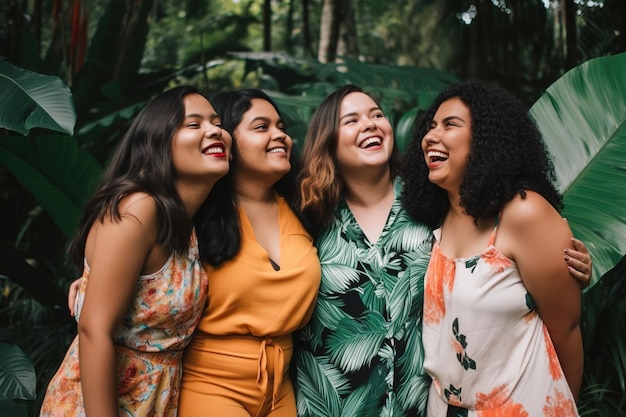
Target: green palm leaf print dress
361,354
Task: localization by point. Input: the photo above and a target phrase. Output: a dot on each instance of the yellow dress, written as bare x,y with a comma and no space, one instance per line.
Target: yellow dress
240,354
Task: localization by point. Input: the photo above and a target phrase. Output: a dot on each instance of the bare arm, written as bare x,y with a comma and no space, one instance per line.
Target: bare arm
538,235
116,253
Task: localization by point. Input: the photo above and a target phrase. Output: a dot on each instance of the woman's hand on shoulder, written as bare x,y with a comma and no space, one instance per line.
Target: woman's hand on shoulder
579,262
535,235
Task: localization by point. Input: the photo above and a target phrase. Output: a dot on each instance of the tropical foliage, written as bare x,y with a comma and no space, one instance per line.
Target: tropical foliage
409,51
583,118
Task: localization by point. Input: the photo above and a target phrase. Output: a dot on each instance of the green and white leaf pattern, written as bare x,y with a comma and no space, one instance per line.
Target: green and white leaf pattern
362,352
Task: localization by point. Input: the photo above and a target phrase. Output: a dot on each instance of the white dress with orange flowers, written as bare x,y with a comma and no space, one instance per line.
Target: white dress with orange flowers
487,349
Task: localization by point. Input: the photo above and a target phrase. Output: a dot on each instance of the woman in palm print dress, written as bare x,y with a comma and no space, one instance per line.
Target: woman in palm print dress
501,314
361,353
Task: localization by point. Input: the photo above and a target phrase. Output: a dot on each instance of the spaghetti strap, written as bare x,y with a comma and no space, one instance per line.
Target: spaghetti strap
492,238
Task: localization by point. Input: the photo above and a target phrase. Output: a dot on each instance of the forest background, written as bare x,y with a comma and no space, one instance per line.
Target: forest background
74,73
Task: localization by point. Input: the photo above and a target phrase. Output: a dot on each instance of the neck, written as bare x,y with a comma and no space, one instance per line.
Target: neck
253,191
455,209
457,215
193,196
368,190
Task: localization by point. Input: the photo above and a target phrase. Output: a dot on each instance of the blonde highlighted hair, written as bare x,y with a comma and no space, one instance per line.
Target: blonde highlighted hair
320,184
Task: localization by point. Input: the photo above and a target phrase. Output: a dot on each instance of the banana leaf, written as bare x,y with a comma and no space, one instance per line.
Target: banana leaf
31,100
56,172
17,375
583,119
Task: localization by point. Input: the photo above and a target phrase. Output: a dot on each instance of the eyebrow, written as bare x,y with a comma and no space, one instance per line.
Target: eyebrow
352,114
266,120
211,116
447,119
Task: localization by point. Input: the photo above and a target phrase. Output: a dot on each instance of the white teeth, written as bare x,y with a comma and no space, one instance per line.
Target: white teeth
437,154
277,150
213,149
370,141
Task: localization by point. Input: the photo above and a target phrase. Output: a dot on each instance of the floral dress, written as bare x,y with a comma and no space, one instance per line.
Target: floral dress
361,354
159,323
487,349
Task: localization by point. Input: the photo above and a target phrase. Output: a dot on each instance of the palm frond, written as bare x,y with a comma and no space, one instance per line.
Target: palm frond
583,119
31,100
357,342
365,400
55,171
319,385
337,277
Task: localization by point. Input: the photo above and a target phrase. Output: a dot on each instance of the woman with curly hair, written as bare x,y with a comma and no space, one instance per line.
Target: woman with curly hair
501,313
361,353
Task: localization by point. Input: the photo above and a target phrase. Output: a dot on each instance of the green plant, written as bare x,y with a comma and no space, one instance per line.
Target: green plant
582,116
583,119
17,380
604,336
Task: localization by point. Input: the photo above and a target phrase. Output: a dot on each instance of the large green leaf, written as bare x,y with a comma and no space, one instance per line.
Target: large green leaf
583,119
55,171
17,375
31,100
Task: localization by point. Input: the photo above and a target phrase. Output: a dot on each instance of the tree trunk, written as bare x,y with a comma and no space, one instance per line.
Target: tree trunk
329,30
348,45
289,29
267,25
306,30
571,50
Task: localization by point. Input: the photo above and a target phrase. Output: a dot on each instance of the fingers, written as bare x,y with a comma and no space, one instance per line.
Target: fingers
71,296
579,246
583,279
579,265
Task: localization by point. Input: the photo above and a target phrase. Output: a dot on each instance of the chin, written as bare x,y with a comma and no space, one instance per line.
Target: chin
435,180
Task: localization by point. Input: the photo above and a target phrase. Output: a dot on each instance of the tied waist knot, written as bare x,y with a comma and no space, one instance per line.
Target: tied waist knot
262,378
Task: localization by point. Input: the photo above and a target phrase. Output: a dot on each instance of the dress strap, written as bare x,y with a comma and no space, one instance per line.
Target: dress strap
492,238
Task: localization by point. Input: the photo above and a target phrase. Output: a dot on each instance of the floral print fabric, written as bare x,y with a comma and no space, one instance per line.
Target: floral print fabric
159,323
361,353
487,349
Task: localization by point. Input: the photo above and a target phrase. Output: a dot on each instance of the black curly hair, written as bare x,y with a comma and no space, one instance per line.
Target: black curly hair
507,157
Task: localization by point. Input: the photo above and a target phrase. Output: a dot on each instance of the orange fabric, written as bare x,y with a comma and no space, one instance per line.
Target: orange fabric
237,376
241,351
247,296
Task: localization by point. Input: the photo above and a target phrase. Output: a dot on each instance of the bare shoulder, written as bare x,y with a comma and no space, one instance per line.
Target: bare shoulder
140,207
531,222
135,230
521,212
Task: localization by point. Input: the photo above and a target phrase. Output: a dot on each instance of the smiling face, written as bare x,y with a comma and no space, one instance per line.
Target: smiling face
364,137
263,146
447,144
200,147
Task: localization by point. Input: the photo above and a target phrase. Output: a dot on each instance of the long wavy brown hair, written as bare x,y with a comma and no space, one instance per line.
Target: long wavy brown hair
320,183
